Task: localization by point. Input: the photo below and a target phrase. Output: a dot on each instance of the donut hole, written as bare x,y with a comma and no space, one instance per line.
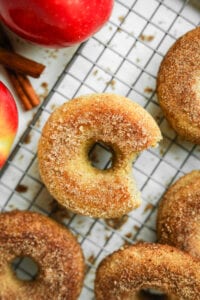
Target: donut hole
152,294
25,268
101,156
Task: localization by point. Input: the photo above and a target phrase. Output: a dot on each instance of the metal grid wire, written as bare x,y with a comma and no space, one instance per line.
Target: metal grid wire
122,58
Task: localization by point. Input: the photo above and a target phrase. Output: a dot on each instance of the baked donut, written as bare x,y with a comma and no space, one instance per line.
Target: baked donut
178,221
178,86
66,140
127,273
51,246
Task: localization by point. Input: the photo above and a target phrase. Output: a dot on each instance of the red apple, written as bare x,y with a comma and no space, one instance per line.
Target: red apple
8,122
55,23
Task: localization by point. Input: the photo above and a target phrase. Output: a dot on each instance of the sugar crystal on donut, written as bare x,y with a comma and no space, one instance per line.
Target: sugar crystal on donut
68,136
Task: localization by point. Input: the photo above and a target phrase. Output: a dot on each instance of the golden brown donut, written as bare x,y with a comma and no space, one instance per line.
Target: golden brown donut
51,246
66,139
178,86
124,274
178,222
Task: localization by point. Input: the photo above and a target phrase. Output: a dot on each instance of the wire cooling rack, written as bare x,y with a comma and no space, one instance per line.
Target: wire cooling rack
122,58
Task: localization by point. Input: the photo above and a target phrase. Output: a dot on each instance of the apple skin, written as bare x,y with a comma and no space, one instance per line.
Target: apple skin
55,23
8,122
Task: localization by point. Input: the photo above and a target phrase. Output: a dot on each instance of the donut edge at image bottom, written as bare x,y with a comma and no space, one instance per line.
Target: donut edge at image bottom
126,272
53,248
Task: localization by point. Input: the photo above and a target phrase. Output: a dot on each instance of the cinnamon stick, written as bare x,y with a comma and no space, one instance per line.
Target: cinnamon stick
21,83
28,90
20,64
19,90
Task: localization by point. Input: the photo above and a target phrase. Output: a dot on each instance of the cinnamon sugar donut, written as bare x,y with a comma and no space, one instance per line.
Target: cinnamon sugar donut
178,222
51,246
178,86
126,273
66,139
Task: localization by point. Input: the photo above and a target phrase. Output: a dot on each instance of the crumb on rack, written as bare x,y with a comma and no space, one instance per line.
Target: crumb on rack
91,259
107,237
58,212
112,83
158,118
80,222
121,18
140,240
117,223
12,206
161,151
21,157
163,145
119,29
27,139
129,235
136,228
95,72
146,38
148,89
126,243
148,207
38,123
21,188
44,85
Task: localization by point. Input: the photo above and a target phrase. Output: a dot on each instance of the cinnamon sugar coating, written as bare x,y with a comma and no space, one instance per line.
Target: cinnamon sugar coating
51,246
178,86
178,222
123,274
66,140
